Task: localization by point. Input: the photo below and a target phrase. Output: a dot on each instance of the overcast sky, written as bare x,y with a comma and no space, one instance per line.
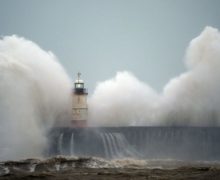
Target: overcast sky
100,37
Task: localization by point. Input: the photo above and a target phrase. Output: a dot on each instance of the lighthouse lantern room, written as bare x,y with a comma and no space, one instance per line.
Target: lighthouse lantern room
79,104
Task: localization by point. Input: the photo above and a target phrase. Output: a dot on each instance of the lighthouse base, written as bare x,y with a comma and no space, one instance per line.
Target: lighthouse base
79,123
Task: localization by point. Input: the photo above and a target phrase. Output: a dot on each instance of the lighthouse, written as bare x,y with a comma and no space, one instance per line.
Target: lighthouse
79,104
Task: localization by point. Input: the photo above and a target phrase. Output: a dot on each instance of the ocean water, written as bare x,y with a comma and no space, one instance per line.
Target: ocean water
64,163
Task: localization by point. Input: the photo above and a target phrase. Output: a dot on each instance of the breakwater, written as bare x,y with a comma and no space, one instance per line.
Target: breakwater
185,143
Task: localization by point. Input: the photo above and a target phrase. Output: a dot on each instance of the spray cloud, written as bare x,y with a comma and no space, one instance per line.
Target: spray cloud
34,92
191,99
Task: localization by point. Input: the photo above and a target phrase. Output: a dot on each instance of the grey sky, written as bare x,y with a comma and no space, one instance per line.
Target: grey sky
100,37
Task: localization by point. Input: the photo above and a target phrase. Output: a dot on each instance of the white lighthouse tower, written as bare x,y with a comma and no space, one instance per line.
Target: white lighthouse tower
79,104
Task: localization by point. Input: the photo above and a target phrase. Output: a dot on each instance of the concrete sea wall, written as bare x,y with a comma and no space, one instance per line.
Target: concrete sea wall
184,143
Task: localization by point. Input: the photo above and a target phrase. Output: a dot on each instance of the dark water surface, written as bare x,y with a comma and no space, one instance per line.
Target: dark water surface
98,168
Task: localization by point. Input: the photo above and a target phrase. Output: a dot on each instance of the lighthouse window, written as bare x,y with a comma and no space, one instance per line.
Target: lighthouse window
79,85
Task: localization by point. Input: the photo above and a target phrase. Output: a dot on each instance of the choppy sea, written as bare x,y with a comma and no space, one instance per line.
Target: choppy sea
62,163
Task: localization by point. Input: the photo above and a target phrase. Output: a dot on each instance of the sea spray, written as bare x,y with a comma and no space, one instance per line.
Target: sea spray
123,100
34,92
190,99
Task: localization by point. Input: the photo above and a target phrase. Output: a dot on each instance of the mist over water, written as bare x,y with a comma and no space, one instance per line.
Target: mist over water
191,99
34,92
